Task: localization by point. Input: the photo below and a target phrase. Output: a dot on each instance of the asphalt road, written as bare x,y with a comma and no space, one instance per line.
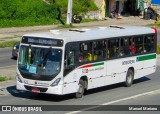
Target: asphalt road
6,57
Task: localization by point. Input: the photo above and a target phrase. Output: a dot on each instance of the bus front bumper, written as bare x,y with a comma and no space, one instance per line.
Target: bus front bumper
57,90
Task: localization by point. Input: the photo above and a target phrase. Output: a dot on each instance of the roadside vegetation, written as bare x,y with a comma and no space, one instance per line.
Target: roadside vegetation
26,13
4,78
79,6
156,25
37,12
9,43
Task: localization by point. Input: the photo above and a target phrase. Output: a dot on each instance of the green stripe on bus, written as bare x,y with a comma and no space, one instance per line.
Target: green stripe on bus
92,65
147,57
98,64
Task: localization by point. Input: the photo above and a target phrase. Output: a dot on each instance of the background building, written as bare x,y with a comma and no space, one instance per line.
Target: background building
121,7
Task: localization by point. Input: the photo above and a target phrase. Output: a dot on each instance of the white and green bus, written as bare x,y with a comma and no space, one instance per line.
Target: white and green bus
75,60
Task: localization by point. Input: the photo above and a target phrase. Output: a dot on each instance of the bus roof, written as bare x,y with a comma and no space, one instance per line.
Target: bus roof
93,33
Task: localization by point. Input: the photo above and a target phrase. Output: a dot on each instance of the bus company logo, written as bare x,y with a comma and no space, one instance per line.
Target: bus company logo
84,70
26,81
137,59
128,62
6,108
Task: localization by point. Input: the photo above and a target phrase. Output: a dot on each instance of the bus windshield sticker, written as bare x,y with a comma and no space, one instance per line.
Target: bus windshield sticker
32,69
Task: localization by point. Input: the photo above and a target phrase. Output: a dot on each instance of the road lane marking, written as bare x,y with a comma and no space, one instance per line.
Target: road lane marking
8,66
116,101
155,92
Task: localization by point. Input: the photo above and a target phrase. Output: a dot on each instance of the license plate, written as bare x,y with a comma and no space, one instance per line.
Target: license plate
35,90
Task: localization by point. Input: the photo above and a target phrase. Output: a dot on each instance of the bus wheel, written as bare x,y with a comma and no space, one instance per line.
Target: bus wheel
129,78
80,90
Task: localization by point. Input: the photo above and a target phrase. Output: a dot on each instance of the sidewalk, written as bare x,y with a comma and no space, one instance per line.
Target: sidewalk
19,31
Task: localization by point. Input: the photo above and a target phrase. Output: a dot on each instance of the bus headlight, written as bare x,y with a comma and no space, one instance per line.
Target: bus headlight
14,48
56,82
18,78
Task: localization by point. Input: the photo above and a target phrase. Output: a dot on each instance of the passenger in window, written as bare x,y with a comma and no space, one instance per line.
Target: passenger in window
115,51
96,55
108,54
81,58
132,49
139,49
89,56
121,53
144,50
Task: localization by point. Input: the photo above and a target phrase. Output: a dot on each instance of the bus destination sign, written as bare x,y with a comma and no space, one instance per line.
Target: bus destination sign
42,41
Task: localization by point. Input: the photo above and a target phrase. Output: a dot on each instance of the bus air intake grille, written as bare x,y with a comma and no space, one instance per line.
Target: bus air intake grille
37,88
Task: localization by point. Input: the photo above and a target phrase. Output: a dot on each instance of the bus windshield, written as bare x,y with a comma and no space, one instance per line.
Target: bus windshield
39,63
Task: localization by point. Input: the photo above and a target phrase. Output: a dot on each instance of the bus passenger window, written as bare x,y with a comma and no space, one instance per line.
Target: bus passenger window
149,43
85,53
131,47
99,48
126,47
70,58
139,44
113,48
122,47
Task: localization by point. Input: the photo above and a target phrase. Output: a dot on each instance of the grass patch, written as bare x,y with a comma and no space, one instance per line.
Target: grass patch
16,13
89,20
151,25
4,78
27,22
8,43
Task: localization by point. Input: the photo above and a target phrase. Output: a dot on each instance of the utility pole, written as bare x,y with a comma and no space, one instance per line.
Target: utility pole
69,12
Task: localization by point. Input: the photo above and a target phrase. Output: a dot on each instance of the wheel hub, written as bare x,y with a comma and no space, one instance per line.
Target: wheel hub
129,78
80,89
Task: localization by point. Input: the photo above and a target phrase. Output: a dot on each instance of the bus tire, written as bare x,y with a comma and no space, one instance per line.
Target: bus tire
81,88
129,78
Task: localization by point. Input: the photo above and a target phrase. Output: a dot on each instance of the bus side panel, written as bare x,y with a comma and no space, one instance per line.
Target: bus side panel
115,71
71,82
96,76
149,66
137,66
95,73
